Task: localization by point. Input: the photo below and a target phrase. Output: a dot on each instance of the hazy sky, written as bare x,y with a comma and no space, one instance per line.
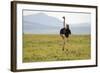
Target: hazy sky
80,22
71,17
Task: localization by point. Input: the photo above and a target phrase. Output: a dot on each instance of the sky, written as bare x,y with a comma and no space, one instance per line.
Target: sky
80,22
71,17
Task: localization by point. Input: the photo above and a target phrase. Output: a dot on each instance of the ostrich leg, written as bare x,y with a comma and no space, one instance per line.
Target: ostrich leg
63,44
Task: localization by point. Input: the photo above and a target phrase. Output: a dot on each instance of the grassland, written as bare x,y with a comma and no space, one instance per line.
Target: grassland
38,48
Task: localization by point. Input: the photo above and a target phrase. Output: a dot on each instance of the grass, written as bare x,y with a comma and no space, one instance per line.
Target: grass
38,48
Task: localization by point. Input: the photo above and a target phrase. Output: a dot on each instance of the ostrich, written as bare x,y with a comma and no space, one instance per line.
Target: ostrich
65,32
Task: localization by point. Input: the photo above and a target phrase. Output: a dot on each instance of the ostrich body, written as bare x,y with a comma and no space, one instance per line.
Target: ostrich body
65,32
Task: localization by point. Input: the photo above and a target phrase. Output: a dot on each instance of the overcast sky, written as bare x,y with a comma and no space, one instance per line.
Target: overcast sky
71,17
80,20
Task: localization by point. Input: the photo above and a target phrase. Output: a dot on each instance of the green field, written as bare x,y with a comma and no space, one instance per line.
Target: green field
38,48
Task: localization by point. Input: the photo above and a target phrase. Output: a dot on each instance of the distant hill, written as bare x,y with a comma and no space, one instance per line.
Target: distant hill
41,23
44,19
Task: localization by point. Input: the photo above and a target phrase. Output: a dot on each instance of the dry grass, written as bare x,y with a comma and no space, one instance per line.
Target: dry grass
38,48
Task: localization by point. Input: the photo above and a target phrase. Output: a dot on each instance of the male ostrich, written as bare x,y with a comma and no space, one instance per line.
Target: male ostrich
65,32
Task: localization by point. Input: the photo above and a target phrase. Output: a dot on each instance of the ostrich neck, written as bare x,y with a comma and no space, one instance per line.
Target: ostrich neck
64,24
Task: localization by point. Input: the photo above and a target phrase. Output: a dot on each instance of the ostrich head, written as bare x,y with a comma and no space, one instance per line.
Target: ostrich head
63,17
